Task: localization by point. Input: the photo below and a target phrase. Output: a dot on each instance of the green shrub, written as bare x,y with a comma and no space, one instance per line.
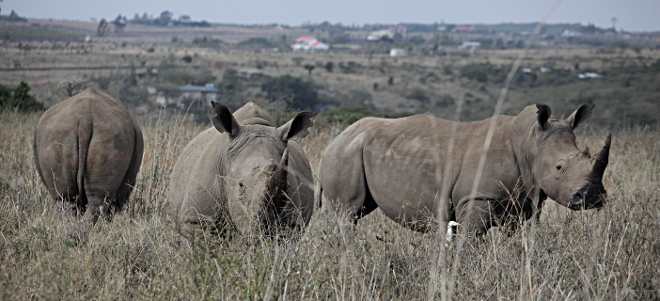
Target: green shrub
350,67
19,98
183,77
350,114
299,94
483,72
418,94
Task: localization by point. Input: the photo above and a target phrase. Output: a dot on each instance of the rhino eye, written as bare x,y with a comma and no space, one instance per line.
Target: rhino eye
558,167
241,189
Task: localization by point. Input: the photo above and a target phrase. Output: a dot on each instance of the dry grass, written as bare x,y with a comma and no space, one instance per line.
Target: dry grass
611,254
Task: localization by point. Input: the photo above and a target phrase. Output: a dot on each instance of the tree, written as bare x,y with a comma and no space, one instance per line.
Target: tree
187,58
72,86
299,94
102,29
329,66
309,68
119,24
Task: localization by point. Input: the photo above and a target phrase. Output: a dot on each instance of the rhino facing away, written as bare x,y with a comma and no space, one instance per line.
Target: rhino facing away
243,173
88,151
398,164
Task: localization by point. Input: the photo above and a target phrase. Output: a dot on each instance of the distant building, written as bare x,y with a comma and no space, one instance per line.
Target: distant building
546,67
309,44
571,33
588,75
394,52
470,45
197,97
381,35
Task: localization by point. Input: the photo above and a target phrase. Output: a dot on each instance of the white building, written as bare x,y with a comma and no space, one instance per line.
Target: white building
397,52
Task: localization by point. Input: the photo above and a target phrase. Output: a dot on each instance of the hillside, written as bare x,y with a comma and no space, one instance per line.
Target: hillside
625,92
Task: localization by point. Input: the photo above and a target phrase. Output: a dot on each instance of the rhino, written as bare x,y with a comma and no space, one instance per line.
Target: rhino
243,174
88,150
401,166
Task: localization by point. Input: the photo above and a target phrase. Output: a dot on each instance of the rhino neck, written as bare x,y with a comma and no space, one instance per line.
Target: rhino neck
523,141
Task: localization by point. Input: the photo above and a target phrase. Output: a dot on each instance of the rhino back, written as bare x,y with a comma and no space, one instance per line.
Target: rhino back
401,162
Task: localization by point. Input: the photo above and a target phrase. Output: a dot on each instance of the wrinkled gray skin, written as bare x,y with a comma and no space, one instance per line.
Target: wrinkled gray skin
398,164
243,173
88,150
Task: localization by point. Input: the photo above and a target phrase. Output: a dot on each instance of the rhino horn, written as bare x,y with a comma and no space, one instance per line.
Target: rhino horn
603,157
278,182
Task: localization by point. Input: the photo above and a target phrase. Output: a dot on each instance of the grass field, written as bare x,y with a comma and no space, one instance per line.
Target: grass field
611,254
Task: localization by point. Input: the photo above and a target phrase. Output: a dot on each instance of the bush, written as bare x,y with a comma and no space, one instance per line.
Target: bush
474,72
299,94
350,67
329,66
132,96
19,98
255,42
182,76
350,114
418,94
485,72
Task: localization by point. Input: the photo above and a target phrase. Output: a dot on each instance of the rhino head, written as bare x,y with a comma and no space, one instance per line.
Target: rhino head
571,177
257,171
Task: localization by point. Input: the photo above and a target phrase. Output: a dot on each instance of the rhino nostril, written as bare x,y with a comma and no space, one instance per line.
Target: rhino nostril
578,199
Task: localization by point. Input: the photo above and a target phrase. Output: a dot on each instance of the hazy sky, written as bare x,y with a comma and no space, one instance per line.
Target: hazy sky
632,15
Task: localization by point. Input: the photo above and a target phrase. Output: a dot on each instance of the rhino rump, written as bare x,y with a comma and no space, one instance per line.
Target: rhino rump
88,150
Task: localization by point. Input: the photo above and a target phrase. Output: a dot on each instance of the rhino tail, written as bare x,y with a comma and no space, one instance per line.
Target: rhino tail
84,137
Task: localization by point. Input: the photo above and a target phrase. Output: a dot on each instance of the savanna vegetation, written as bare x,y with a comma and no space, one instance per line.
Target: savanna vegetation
607,254
610,254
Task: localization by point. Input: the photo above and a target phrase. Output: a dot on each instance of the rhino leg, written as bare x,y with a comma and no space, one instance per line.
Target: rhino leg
475,215
125,189
351,193
96,202
346,188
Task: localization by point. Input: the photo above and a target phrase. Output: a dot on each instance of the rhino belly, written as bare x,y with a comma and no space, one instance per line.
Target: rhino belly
403,185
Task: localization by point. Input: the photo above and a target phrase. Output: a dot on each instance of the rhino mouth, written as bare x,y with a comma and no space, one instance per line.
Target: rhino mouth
592,196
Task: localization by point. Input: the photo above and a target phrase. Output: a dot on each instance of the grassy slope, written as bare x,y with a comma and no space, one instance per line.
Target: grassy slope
608,254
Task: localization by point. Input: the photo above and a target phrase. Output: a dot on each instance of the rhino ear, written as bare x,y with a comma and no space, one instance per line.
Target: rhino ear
544,114
580,117
224,121
297,127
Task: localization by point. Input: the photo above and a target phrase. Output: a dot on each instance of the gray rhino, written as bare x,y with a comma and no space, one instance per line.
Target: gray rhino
401,165
243,174
88,151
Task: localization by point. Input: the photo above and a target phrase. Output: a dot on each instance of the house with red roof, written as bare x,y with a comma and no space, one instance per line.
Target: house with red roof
309,44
